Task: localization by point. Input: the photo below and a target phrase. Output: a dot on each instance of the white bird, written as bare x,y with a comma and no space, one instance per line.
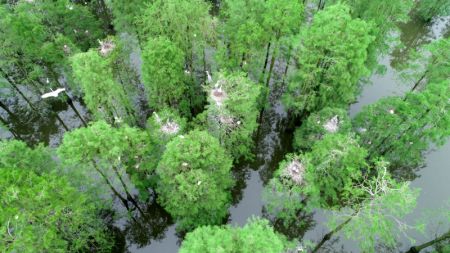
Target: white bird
209,76
53,93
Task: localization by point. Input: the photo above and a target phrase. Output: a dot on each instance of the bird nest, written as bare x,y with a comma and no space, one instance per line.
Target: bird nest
295,170
106,47
218,95
170,127
332,125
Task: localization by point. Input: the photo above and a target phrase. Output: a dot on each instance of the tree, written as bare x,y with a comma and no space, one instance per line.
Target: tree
163,126
163,75
46,214
195,180
186,23
323,177
376,216
125,13
243,34
401,130
383,16
430,64
256,236
106,99
428,9
331,62
17,155
232,112
74,21
318,124
117,155
282,20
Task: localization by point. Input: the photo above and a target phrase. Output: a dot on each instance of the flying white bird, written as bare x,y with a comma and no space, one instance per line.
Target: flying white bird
53,93
209,76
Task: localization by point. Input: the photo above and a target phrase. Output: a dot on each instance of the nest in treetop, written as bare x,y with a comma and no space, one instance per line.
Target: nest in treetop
295,170
106,47
332,125
226,120
170,127
218,94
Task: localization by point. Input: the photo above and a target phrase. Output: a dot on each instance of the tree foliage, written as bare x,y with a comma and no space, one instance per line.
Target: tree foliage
383,16
250,25
324,177
428,9
326,121
46,214
256,236
163,74
186,23
17,155
331,62
103,95
117,157
377,218
195,180
401,130
233,111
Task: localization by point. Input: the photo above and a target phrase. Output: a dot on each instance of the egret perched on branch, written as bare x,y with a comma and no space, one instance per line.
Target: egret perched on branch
209,76
53,93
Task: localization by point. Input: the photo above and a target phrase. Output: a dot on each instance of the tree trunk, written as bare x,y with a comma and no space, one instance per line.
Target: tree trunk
242,61
272,64
417,249
287,65
330,234
124,201
14,85
265,63
10,113
129,197
5,123
68,99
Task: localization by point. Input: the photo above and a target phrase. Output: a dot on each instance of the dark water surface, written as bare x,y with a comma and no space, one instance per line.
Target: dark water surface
156,233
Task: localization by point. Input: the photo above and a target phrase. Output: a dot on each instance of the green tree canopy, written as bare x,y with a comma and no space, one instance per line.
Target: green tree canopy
163,74
187,23
331,60
46,214
103,95
401,130
195,180
233,111
428,9
256,236
162,127
17,155
116,157
326,121
383,16
324,176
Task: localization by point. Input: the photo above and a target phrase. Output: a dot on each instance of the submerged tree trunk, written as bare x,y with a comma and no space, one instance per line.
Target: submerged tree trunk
6,124
129,196
417,249
10,113
69,100
265,63
16,88
330,234
124,201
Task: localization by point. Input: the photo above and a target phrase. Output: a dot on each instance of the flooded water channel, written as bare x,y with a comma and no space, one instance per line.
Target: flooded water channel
156,233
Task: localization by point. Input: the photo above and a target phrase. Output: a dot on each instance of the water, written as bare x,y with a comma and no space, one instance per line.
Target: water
156,233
